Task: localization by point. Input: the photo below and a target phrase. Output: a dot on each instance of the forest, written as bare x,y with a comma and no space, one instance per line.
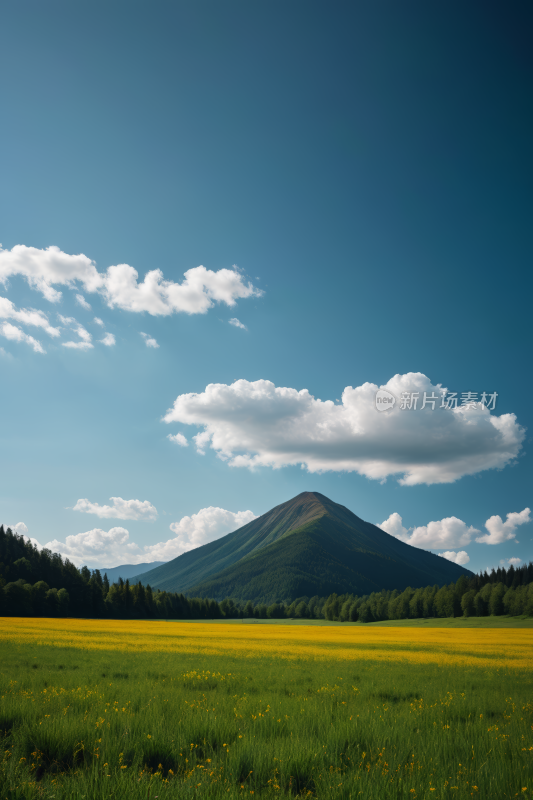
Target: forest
37,582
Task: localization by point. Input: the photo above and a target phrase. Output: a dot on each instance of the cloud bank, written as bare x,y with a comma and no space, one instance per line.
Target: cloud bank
121,509
119,285
253,424
206,526
453,532
98,548
448,532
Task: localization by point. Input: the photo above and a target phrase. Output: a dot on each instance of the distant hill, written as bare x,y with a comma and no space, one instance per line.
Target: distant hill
128,570
307,546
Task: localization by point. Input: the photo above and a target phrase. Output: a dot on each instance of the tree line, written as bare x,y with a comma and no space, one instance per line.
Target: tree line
40,583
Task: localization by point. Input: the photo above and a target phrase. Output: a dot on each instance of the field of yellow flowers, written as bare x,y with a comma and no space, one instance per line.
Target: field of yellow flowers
110,709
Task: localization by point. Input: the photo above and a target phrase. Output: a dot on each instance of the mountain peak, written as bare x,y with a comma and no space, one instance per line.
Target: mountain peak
308,545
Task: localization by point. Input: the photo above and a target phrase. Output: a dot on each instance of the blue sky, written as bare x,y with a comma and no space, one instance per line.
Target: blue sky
366,167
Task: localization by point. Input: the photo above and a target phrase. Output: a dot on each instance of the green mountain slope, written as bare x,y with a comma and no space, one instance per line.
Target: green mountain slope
307,546
190,568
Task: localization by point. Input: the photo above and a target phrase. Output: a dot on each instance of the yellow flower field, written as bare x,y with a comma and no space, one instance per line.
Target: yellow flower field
510,648
144,709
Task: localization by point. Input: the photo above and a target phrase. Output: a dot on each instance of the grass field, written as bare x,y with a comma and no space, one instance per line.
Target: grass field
107,709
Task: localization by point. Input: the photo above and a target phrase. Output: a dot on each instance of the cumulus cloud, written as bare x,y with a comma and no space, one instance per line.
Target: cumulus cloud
121,509
252,424
448,532
27,316
237,323
149,341
98,321
119,285
4,353
44,268
80,299
15,334
178,438
514,562
461,557
109,340
98,548
453,532
20,527
205,526
499,531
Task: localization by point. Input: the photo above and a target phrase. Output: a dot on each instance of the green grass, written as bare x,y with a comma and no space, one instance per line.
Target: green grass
461,622
433,622
89,724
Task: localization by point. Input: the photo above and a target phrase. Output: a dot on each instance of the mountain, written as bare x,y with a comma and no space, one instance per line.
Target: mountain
307,546
128,570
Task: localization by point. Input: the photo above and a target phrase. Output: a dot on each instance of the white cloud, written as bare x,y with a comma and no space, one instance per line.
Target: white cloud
515,562
237,323
20,527
99,548
109,340
83,333
253,424
461,557
15,334
199,291
499,531
4,353
202,442
198,529
178,438
83,302
150,342
44,268
26,316
121,509
453,532
98,321
448,532
394,526
78,345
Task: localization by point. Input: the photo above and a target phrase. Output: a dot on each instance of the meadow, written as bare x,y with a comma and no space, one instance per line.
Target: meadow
145,709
